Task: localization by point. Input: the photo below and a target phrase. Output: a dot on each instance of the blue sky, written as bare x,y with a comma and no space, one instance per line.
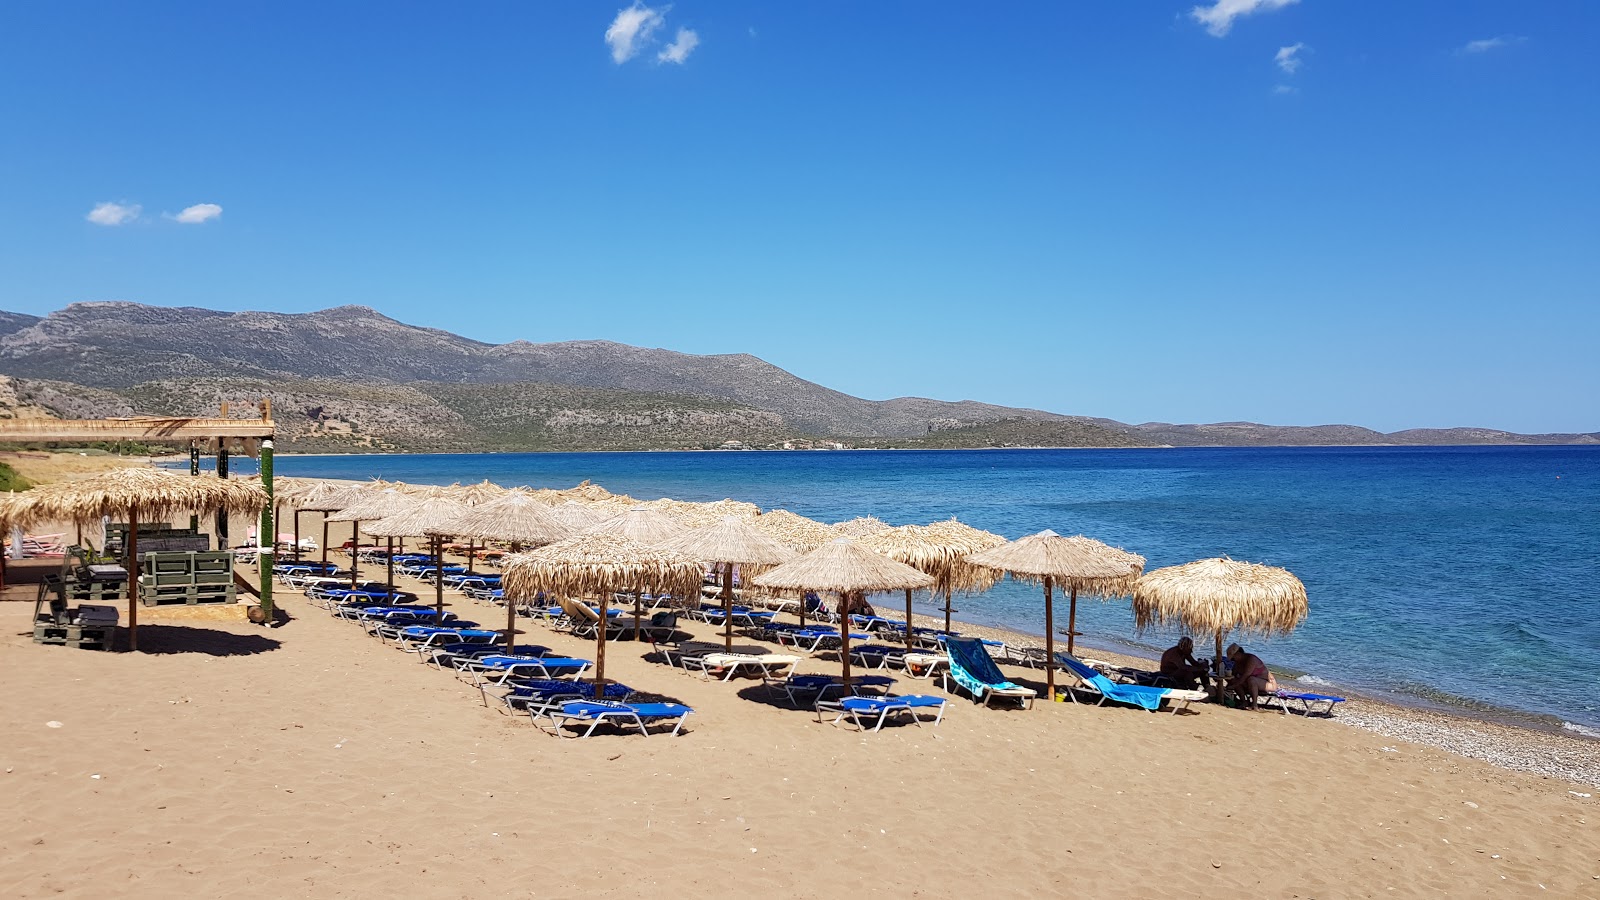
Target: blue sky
1293,212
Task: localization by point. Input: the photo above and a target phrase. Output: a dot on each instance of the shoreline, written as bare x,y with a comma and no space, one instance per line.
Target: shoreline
1515,745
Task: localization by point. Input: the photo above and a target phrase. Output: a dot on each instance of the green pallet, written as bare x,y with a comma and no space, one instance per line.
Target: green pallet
87,637
188,597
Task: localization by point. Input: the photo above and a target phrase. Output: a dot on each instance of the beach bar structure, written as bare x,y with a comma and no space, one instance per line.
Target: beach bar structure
221,436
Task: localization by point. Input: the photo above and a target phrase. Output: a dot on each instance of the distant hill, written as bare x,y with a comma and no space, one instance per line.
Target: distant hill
349,378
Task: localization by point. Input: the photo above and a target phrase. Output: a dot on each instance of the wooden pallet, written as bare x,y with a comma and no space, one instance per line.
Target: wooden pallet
190,595
84,637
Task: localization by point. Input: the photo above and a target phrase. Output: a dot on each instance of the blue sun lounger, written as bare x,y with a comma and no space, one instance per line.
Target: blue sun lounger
974,671
1308,703
1142,696
862,709
624,715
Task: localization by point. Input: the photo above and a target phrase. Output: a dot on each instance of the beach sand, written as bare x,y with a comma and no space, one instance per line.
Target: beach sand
312,760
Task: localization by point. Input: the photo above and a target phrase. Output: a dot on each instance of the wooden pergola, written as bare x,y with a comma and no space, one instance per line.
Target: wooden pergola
220,435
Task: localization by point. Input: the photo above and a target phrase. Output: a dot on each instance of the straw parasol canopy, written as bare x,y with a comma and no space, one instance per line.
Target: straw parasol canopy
374,505
432,518
730,542
577,517
858,527
141,493
477,494
1079,563
940,550
517,517
793,530
843,568
599,564
642,524
1221,595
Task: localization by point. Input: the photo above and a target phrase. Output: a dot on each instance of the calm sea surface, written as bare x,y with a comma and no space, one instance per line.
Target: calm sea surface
1465,576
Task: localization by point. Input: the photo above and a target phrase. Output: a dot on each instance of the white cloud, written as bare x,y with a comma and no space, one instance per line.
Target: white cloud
681,47
1284,89
1494,43
113,213
632,30
200,212
1218,17
1288,58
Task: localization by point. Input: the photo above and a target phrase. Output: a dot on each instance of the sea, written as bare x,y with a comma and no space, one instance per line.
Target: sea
1459,577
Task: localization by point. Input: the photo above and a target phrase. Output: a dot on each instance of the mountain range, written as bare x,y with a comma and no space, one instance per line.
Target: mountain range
351,379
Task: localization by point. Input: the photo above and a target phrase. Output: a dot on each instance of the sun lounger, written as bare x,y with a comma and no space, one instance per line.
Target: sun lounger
819,686
635,715
537,696
973,671
810,640
1308,704
500,669
860,710
1091,681
924,665
727,665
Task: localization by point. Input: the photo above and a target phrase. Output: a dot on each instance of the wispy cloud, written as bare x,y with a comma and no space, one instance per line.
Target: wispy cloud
1281,89
113,213
1288,58
200,212
632,30
1218,17
681,47
1487,44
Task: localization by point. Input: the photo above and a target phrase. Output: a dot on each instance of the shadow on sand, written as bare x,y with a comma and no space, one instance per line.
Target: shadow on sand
167,639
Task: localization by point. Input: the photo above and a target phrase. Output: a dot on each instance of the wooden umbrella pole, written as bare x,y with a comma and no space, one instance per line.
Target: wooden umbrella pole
324,542
636,613
470,554
727,607
908,620
1072,619
947,590
1049,641
511,623
844,637
297,534
438,580
355,543
389,567
133,580
600,650
1217,664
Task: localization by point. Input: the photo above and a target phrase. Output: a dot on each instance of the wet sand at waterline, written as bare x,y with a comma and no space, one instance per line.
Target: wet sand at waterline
311,760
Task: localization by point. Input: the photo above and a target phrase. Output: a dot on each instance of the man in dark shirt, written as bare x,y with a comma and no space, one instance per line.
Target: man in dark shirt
1179,667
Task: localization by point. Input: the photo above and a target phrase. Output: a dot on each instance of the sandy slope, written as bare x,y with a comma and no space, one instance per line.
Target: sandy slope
310,760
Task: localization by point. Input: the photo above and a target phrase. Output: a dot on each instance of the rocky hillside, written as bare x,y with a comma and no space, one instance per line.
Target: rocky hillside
349,378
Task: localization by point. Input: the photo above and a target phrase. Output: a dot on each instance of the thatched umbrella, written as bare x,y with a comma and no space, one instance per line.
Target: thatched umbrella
328,497
939,550
645,525
516,517
1220,595
149,494
1081,564
375,505
728,543
843,568
477,494
577,517
858,527
429,518
599,565
793,530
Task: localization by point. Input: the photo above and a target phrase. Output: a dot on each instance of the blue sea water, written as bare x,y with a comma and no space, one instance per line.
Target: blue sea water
1463,575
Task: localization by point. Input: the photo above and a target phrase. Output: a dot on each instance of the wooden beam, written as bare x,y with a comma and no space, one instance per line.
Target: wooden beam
172,429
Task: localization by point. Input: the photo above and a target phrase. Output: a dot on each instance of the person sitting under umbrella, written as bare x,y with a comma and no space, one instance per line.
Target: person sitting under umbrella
1179,666
1250,678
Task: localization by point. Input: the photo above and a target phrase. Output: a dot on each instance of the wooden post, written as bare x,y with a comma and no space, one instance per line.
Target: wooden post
133,580
389,565
470,553
844,636
947,590
297,534
600,649
269,527
511,623
324,541
1072,620
438,579
194,469
222,472
355,541
908,620
727,607
1049,640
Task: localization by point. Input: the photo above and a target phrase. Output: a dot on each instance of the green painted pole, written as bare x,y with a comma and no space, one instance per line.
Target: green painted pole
267,543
